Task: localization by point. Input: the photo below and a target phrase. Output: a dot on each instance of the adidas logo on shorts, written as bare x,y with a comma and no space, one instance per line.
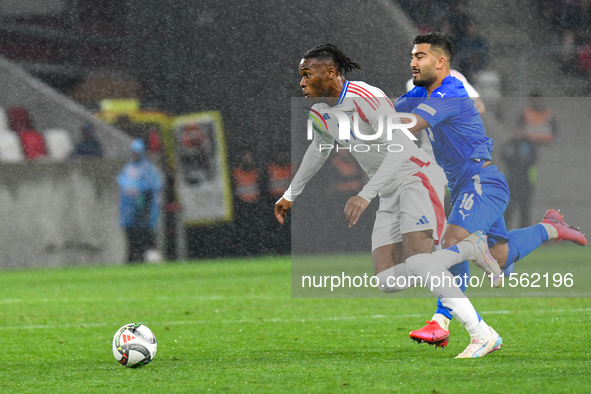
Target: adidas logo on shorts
423,220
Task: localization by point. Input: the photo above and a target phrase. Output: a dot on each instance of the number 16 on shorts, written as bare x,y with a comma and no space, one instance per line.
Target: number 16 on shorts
466,204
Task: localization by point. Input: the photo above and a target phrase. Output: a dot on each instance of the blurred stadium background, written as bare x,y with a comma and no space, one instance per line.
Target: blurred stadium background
136,69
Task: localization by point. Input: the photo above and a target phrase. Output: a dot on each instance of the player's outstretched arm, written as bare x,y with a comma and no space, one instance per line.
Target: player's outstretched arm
313,159
281,208
421,124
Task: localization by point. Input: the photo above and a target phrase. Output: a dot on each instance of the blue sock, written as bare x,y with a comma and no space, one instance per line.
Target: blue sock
508,269
460,270
523,241
456,270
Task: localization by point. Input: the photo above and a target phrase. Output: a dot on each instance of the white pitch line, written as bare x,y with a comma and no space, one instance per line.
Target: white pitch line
320,319
162,298
4,301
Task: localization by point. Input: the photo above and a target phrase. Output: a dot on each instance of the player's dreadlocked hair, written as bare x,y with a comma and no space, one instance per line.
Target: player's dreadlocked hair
437,40
329,52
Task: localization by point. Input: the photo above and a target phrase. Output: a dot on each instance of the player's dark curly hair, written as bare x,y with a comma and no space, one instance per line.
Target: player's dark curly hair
329,52
437,40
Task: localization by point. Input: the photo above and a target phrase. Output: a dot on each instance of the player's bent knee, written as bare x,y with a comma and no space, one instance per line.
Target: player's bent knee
386,256
387,282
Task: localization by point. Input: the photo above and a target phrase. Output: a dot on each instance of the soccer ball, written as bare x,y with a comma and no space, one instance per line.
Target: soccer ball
134,345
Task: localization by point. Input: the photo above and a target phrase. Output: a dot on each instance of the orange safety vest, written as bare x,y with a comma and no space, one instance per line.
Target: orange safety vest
349,179
279,179
538,125
247,184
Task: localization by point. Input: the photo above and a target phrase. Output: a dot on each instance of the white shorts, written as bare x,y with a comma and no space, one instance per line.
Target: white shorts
416,205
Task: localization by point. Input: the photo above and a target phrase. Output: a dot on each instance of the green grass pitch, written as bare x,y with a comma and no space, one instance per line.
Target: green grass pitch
231,326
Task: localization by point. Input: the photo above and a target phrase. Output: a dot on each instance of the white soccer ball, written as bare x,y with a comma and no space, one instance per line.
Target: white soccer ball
134,345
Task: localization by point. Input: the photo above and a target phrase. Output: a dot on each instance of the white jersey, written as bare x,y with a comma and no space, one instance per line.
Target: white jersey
386,168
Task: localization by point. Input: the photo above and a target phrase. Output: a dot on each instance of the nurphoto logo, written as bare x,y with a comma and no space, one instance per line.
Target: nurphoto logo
387,123
392,123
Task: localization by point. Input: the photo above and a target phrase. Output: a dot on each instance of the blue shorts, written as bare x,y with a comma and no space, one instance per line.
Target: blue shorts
479,204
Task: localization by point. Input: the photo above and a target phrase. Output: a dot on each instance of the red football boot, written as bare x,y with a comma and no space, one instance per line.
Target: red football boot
565,232
432,334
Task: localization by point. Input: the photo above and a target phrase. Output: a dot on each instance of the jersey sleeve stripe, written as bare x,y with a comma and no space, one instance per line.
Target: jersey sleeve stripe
360,94
387,99
343,93
367,93
419,162
360,113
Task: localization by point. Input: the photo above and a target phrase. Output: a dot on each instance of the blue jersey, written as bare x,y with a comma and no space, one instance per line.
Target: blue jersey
457,132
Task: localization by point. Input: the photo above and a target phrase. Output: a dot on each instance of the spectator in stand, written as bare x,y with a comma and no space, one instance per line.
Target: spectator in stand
537,121
537,125
247,206
140,183
519,156
32,141
89,145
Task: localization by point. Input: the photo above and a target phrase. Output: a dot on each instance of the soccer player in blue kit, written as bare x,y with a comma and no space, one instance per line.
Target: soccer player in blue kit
479,191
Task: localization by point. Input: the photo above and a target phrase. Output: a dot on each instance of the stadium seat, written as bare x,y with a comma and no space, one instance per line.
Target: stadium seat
59,144
10,147
33,144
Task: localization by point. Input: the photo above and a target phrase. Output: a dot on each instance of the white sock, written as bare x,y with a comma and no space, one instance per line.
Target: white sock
428,268
442,320
449,258
551,230
482,330
440,282
394,279
462,309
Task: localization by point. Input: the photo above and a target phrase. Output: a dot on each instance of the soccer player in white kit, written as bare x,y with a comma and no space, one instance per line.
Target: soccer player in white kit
410,216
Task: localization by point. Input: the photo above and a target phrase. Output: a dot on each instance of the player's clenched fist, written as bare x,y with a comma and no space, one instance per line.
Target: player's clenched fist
355,206
281,208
